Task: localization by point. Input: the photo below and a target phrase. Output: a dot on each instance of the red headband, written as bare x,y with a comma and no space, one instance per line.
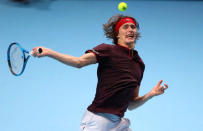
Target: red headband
123,21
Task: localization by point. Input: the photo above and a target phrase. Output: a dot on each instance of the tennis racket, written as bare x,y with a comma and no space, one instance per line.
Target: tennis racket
17,58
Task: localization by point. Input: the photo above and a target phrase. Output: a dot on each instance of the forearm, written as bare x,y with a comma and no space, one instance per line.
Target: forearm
64,58
78,62
138,101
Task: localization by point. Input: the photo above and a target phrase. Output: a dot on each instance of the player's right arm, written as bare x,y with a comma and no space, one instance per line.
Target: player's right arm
78,62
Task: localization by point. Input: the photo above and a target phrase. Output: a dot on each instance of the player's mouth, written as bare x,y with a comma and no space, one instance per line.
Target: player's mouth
130,36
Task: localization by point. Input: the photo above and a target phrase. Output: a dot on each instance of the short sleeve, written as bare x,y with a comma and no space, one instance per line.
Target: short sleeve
142,65
101,52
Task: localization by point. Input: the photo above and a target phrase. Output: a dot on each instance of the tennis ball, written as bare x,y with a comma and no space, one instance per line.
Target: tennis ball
122,6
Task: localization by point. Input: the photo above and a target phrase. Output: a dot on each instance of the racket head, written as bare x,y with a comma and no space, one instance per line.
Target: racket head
16,59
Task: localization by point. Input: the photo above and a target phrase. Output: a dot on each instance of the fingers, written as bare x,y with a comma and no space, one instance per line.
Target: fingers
159,89
163,88
36,53
166,86
159,83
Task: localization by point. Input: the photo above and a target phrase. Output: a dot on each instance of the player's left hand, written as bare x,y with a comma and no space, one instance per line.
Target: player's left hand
159,89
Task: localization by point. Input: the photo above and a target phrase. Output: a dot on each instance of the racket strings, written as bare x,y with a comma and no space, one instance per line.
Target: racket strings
16,59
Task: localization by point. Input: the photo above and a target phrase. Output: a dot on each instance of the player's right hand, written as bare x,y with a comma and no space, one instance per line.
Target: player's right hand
37,53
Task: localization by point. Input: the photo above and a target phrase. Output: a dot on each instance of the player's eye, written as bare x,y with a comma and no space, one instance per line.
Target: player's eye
125,26
133,26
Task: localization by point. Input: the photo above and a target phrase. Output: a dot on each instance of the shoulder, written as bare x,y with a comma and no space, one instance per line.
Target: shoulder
141,61
104,46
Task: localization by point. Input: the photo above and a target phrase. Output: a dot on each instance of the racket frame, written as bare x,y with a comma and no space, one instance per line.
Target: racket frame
24,56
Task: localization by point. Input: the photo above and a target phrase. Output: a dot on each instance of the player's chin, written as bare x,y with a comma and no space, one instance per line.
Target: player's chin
130,41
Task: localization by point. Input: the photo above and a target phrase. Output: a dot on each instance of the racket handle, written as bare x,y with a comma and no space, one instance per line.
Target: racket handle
39,50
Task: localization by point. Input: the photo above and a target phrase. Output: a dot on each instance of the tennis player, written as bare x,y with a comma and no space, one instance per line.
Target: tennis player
120,72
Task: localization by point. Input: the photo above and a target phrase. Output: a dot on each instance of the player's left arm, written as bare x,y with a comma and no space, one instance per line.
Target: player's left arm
138,101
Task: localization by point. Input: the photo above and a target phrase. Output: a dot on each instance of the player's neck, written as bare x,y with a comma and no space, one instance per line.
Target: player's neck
128,45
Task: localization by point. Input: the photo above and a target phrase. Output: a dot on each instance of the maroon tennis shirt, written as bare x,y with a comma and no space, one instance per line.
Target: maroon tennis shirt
119,72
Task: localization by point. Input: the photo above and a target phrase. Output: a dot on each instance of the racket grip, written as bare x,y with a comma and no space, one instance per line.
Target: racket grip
39,50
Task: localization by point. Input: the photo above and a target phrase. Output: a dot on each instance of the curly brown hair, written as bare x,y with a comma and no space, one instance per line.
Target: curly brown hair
109,27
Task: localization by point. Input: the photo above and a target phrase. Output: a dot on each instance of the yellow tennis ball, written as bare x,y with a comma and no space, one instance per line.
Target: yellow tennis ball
122,6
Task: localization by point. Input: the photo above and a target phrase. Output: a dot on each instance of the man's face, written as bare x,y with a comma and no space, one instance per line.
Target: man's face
127,33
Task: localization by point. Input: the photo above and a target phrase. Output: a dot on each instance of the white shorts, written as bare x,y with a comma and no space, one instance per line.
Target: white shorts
98,122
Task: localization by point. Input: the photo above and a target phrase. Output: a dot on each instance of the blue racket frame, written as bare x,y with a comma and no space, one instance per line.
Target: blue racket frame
24,56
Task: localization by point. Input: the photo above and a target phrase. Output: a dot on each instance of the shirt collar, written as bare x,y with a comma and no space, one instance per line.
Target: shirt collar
131,52
124,46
